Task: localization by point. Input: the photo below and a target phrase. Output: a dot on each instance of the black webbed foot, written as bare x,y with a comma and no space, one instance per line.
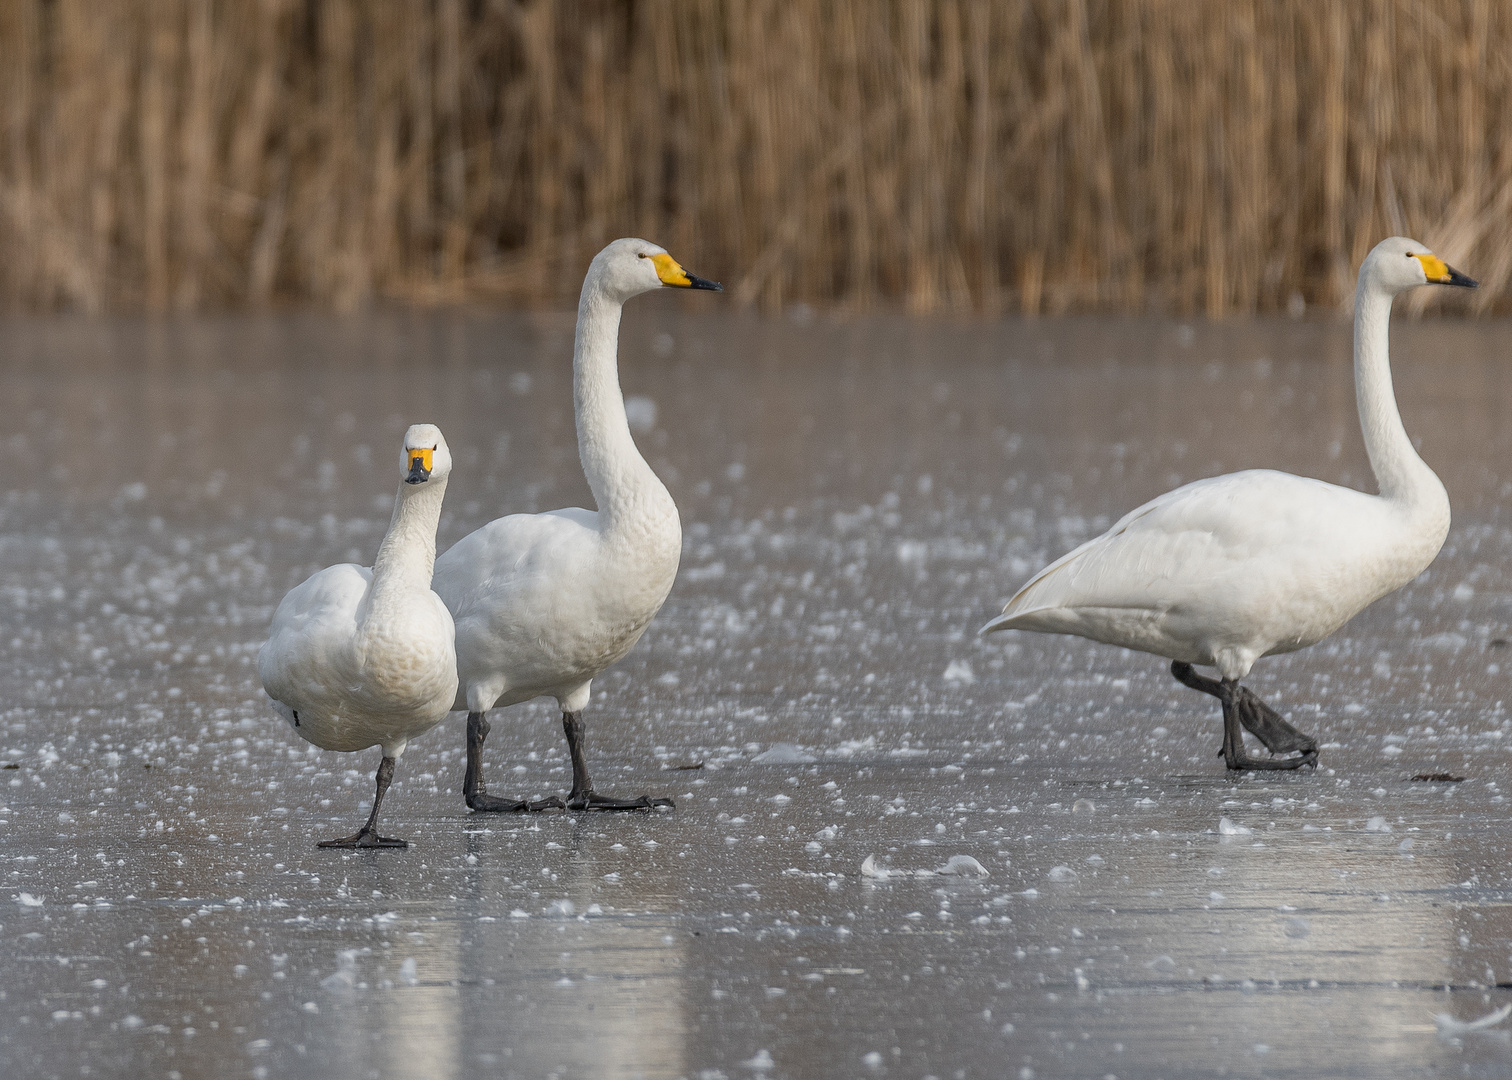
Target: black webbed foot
365,838
583,797
1267,725
1242,708
482,801
590,800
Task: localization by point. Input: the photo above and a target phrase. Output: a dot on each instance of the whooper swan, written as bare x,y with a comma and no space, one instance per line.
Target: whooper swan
1226,570
359,657
544,602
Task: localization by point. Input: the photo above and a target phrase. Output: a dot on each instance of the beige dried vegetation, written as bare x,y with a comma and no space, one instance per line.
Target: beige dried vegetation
946,155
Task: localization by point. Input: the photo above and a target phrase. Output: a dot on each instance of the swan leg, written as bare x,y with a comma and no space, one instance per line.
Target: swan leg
367,836
583,797
472,784
1242,707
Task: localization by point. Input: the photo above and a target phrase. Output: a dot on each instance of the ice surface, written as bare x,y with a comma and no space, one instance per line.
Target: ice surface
166,819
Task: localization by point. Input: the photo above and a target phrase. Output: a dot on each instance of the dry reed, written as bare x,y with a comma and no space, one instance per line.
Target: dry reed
948,155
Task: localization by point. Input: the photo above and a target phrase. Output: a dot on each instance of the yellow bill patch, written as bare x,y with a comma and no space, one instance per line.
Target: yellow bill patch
1434,267
669,271
423,457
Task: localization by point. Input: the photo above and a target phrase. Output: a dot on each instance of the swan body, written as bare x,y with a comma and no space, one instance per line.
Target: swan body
358,657
544,602
1226,570
1229,569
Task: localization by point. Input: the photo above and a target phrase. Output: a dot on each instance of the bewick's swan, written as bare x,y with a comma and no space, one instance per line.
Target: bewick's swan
1226,570
359,657
544,602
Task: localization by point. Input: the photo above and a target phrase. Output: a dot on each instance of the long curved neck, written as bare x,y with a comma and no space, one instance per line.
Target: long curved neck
618,475
1400,474
407,556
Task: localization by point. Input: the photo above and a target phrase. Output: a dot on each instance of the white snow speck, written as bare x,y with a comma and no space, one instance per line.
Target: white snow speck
26,899
1377,824
761,1060
1061,873
960,673
783,754
963,866
1448,1026
641,413
344,979
1228,828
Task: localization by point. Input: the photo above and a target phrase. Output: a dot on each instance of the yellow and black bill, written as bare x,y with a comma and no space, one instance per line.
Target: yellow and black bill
421,461
671,273
1441,273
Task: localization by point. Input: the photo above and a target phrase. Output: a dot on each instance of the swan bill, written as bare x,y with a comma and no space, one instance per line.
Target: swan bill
1439,272
671,273
422,460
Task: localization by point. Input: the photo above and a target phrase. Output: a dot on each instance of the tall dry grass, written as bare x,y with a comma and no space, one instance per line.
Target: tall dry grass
1020,155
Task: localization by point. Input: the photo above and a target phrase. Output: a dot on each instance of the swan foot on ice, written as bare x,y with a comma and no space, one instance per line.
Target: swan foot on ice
492,804
583,797
367,836
364,838
588,800
1242,706
477,798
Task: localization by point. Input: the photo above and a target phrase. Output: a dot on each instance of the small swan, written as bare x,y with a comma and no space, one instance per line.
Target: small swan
1226,570
358,657
544,602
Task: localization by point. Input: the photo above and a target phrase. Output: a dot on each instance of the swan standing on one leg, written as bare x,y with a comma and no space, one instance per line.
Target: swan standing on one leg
1226,570
358,657
544,602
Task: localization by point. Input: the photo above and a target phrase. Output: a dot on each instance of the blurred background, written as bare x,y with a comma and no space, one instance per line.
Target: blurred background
1032,156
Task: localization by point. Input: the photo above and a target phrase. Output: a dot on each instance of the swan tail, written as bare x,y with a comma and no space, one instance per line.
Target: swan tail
1013,620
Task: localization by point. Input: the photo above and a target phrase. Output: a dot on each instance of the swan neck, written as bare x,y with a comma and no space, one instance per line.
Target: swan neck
1400,473
407,556
617,474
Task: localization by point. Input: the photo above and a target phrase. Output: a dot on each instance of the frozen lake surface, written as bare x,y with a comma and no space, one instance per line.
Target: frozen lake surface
857,499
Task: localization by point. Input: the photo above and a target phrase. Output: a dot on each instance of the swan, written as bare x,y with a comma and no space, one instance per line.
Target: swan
544,602
358,657
1229,569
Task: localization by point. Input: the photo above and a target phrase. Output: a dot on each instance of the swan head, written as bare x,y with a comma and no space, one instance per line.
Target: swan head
630,267
1397,264
425,457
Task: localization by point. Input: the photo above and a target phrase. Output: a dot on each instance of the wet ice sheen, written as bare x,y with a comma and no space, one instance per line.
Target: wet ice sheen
897,482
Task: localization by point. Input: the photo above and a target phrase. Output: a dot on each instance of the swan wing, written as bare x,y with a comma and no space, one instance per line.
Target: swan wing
312,636
1222,540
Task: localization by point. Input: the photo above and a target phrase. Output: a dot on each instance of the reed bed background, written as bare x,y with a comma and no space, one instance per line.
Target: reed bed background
945,155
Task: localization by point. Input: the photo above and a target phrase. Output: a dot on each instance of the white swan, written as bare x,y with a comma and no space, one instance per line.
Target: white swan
544,602
358,657
1226,570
